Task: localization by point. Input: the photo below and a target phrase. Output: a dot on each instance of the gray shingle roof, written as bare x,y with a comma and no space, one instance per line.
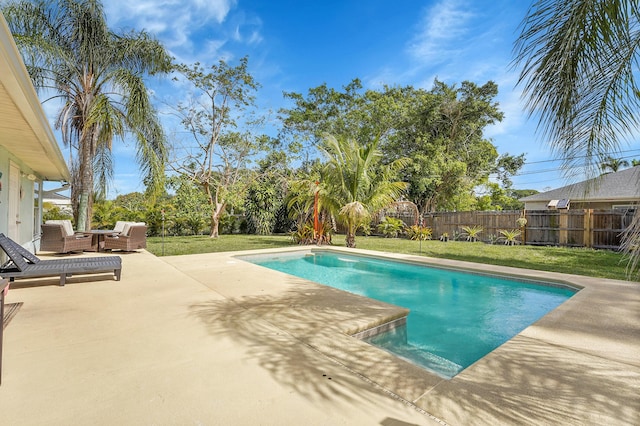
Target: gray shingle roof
622,185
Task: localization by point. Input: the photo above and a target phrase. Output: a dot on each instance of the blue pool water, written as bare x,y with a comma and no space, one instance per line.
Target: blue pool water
455,317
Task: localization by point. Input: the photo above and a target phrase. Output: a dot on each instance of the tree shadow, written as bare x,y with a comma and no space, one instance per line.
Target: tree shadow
514,386
299,337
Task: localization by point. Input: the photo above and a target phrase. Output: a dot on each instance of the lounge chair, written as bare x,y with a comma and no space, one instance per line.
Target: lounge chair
24,264
59,238
133,237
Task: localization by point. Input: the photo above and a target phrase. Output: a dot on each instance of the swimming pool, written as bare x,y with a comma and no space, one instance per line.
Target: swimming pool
455,317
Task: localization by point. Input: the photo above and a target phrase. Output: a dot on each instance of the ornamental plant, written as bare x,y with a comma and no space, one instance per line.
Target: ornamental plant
419,233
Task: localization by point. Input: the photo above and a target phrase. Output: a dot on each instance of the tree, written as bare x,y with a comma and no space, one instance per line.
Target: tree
440,130
266,194
612,165
189,204
98,76
443,135
215,158
354,184
579,63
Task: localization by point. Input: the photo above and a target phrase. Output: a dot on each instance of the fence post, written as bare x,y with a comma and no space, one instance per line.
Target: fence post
588,240
434,231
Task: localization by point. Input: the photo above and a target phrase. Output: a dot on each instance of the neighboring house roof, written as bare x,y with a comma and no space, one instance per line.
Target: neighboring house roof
623,185
24,129
55,197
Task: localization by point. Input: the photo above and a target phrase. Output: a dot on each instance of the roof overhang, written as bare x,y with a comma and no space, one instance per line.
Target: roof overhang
24,129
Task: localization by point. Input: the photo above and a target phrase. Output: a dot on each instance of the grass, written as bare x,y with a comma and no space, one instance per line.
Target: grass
589,262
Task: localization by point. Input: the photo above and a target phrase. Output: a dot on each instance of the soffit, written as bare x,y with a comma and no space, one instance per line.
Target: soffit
24,129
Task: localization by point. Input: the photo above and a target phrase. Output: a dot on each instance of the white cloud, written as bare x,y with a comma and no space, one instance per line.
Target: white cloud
169,11
442,25
172,21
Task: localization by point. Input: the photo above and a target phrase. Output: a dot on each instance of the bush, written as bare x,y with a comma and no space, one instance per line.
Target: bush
390,227
471,232
510,237
419,233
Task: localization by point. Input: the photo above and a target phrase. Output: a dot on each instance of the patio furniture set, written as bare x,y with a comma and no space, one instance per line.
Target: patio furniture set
58,236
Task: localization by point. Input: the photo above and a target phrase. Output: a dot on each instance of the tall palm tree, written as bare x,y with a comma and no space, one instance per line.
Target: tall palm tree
97,74
612,165
354,184
579,64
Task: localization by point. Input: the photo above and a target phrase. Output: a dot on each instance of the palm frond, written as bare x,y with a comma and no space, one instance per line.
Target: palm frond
579,60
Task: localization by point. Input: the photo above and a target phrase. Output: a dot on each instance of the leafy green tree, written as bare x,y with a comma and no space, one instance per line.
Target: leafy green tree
190,204
579,64
52,212
325,111
440,130
267,193
215,158
98,76
104,215
499,198
442,133
354,184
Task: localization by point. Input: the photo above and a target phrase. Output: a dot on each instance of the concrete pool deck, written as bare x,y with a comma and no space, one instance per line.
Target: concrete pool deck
210,339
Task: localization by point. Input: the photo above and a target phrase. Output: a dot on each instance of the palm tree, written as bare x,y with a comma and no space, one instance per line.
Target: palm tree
97,75
612,165
579,63
354,184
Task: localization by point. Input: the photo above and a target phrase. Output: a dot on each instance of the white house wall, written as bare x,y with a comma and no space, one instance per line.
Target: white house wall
27,233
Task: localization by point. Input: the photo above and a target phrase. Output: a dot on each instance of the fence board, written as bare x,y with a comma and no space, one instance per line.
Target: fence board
575,228
453,222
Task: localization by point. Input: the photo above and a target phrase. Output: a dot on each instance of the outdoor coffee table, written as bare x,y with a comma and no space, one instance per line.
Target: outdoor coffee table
98,237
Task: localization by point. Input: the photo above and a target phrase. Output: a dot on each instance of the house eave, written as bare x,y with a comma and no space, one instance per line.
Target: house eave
25,131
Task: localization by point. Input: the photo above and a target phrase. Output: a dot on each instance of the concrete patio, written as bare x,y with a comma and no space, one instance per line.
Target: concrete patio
212,340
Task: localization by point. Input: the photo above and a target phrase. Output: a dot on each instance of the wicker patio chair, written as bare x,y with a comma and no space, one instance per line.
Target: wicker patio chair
24,264
55,238
132,238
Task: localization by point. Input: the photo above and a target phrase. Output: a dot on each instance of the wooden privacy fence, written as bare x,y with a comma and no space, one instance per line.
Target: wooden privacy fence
452,222
573,228
577,228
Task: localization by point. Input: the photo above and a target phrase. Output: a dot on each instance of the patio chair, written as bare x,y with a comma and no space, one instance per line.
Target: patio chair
132,238
24,264
55,237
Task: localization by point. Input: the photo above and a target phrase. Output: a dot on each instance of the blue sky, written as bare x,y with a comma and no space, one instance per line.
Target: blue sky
297,45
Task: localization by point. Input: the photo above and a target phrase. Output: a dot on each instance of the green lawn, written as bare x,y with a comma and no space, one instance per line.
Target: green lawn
595,263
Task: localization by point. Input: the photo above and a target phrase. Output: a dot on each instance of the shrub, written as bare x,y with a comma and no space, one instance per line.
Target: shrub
472,232
417,233
390,227
510,237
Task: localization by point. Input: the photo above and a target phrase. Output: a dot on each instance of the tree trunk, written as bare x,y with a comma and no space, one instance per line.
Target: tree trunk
85,183
215,222
351,238
216,213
